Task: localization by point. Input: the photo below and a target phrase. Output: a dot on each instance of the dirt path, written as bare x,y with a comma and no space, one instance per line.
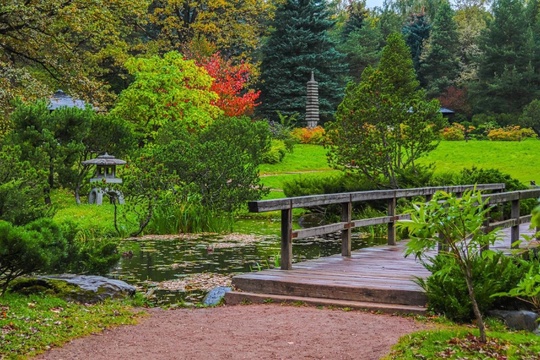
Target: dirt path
245,332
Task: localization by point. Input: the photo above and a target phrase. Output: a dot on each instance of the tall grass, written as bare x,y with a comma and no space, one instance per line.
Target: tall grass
187,217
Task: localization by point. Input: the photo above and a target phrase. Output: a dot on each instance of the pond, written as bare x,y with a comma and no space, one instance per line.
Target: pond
183,268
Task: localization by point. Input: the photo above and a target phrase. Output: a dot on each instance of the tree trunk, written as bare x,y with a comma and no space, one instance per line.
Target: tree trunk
476,309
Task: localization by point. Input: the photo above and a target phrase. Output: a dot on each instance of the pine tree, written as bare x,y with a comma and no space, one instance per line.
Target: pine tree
300,44
505,70
361,41
439,68
416,31
384,123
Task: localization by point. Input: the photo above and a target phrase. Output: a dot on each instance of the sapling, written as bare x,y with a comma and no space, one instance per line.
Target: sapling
457,223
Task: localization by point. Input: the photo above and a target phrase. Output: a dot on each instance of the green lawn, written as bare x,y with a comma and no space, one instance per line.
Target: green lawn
519,159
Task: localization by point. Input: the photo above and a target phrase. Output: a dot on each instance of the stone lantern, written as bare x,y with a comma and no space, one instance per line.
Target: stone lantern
105,174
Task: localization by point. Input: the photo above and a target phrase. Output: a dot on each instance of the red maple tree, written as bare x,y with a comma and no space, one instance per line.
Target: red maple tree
230,83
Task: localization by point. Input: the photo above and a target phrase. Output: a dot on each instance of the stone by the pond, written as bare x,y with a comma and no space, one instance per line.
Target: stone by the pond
92,288
215,295
518,320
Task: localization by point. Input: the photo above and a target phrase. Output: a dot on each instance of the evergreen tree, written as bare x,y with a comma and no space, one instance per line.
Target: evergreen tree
384,123
439,68
300,44
506,73
356,16
416,31
360,41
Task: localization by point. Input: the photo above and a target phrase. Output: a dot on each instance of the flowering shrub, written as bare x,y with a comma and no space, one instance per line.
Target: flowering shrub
456,132
511,133
309,136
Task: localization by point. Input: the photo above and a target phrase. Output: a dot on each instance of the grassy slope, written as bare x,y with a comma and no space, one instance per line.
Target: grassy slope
519,159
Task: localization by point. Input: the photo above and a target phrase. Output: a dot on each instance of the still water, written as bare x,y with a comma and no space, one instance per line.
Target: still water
151,261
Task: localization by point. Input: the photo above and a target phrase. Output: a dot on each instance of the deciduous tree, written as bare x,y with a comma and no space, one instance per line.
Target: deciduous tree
71,44
230,84
234,26
166,89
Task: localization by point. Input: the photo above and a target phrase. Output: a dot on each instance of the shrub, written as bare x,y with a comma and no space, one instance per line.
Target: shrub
21,189
314,136
455,132
475,175
447,291
22,252
510,133
276,153
311,185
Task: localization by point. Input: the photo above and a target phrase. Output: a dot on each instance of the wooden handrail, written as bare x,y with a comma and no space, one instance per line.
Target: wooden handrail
347,223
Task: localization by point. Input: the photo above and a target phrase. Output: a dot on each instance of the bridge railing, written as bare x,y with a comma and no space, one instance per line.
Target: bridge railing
346,224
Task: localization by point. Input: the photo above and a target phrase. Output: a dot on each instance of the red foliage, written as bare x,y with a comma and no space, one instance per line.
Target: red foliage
230,84
456,99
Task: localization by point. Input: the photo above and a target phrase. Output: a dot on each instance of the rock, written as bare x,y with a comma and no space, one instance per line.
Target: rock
517,320
215,295
90,288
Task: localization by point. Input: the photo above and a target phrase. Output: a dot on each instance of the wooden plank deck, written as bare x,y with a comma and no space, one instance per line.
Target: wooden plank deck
378,278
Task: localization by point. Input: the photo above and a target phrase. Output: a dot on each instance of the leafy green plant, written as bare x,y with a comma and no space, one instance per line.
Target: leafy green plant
275,153
457,225
528,288
446,289
22,251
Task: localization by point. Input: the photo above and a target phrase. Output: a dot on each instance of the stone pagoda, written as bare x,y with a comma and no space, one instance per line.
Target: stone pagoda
312,103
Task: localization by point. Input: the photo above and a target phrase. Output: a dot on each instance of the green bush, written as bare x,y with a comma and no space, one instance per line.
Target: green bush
475,175
21,189
309,185
276,153
22,252
446,288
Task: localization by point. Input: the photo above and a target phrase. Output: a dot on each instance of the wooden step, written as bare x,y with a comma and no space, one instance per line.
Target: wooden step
237,298
359,289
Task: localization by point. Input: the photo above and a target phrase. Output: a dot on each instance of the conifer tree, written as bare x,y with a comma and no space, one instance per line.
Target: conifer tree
361,41
506,72
298,45
439,68
416,31
384,123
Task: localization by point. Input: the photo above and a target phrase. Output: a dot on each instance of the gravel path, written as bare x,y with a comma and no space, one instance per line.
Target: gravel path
245,332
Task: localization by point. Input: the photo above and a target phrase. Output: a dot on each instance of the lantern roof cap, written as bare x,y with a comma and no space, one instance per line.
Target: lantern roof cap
104,159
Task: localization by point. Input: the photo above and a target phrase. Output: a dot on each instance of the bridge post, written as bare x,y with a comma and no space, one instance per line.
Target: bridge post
391,224
514,214
286,239
346,211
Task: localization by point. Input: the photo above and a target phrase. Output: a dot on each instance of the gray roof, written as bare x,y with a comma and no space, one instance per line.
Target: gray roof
104,159
447,111
61,99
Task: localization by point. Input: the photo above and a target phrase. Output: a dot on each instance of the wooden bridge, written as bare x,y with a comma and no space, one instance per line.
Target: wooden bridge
378,278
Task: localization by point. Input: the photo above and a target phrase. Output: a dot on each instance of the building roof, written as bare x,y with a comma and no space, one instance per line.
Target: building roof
446,111
61,99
